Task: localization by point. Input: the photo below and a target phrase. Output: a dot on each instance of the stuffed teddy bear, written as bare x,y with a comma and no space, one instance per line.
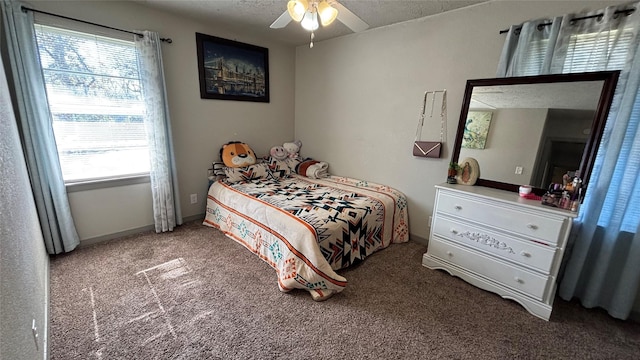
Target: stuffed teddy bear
237,154
293,148
279,153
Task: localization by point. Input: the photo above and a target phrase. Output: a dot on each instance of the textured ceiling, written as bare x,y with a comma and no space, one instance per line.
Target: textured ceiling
570,95
257,15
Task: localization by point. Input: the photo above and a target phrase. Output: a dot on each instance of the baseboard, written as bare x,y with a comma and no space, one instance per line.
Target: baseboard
193,218
117,235
419,239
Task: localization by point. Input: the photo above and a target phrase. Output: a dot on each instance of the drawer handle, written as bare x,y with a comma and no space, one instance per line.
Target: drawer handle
458,207
518,280
532,226
525,254
449,253
454,231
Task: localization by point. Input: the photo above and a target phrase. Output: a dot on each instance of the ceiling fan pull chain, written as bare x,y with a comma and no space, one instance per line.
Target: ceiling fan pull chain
311,43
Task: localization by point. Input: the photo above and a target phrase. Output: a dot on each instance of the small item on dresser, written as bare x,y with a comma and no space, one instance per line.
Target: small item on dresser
549,199
532,196
452,172
564,196
577,194
576,184
553,195
524,190
468,172
575,204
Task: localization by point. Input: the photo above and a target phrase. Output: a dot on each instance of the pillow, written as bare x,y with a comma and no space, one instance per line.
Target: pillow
251,172
237,154
281,168
303,166
292,163
313,169
218,168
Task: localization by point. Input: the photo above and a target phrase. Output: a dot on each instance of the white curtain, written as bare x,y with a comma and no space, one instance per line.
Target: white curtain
603,268
164,181
36,131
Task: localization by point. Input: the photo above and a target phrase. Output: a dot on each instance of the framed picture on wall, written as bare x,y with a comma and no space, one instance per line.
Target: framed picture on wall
231,70
476,129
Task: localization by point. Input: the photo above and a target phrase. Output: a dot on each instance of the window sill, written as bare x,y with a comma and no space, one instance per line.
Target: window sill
106,183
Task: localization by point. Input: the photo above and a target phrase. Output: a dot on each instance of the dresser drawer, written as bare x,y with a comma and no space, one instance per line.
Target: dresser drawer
527,253
513,277
489,213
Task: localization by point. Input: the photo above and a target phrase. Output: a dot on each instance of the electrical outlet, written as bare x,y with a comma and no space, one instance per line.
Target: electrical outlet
34,331
518,170
194,198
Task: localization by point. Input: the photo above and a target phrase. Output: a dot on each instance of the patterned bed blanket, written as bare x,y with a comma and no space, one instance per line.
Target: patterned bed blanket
308,228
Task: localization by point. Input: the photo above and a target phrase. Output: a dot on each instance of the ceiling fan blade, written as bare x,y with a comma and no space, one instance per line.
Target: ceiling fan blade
351,20
282,21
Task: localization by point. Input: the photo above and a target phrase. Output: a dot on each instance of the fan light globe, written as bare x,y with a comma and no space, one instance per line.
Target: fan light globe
297,9
327,13
310,21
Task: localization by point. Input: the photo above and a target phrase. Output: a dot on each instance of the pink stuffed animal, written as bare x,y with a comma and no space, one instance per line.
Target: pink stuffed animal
279,153
293,148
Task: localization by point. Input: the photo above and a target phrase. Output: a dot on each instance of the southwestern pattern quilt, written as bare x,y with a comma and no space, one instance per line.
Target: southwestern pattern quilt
308,228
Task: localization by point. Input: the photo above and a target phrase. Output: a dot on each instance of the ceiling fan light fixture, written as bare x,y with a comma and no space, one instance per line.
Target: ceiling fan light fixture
327,13
310,21
297,9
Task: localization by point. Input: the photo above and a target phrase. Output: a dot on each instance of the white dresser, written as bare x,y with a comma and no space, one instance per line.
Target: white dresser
499,242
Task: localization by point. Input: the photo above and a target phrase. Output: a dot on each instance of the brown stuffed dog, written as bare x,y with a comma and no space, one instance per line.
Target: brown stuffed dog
237,154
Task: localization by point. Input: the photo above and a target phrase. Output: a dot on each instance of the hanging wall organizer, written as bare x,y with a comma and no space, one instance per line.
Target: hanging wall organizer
430,149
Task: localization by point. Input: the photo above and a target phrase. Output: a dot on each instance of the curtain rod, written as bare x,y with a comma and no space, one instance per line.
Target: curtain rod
626,12
25,9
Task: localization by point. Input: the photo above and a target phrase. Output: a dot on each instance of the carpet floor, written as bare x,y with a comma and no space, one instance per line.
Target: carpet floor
195,294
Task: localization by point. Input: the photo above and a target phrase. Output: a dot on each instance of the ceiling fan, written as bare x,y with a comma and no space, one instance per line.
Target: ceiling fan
307,12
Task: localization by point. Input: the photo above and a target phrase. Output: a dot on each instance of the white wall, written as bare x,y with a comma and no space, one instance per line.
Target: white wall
358,97
102,212
200,127
24,264
513,140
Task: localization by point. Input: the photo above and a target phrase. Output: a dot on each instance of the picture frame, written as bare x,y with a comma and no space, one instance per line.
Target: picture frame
476,129
231,70
468,171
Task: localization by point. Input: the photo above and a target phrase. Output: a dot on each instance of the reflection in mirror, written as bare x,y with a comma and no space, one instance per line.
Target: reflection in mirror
533,130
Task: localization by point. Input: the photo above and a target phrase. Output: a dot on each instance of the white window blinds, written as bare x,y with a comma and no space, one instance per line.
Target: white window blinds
602,51
95,100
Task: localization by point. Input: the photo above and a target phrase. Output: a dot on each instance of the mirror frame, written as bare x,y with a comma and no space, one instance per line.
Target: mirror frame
610,79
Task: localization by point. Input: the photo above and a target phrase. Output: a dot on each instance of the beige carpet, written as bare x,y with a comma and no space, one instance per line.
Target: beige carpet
195,294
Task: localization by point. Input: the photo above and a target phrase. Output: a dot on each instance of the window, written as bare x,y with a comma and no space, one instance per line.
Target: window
580,52
95,100
606,50
534,60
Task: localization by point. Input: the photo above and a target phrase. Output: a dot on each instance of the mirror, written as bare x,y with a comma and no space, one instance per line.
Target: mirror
532,130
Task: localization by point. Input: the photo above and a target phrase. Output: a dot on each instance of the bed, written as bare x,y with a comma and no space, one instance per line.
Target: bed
307,228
